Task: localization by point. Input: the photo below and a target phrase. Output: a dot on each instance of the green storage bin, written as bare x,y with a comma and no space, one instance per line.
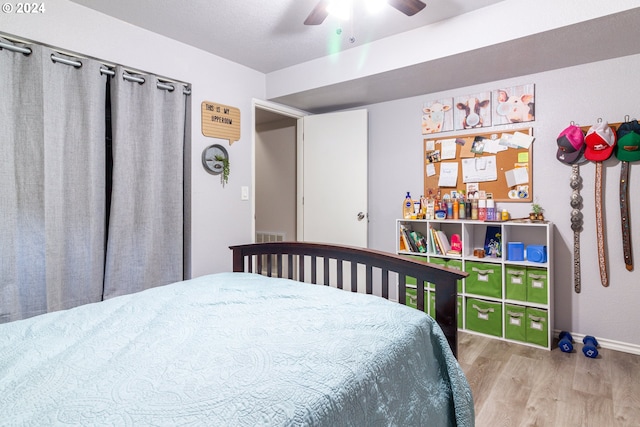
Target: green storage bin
516,282
515,323
456,264
484,316
537,285
484,279
412,297
537,326
432,308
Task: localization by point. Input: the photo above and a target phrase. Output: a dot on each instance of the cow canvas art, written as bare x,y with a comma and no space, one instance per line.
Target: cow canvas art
437,116
473,111
514,105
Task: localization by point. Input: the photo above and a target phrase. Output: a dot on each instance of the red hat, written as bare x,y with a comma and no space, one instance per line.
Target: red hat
600,141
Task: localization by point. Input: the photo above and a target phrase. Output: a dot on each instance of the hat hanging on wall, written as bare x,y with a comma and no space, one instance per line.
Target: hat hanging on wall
600,142
571,145
628,146
627,150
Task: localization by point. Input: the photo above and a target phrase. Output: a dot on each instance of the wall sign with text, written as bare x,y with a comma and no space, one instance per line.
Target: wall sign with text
220,121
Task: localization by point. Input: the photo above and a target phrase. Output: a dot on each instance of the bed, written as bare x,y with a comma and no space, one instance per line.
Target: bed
239,348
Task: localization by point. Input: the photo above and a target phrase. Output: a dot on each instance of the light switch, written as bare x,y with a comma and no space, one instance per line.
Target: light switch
244,193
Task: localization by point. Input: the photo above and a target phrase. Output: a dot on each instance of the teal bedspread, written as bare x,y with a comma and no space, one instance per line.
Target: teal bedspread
232,349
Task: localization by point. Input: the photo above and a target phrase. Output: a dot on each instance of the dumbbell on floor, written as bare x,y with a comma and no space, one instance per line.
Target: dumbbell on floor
565,342
590,348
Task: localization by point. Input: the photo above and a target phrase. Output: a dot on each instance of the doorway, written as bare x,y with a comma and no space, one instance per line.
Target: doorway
310,175
275,165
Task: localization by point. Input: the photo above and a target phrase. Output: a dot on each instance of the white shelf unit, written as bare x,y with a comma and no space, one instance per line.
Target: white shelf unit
522,297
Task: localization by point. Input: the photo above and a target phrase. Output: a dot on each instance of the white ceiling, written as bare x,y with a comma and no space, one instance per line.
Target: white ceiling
269,35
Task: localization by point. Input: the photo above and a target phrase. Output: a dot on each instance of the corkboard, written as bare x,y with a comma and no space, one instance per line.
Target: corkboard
508,160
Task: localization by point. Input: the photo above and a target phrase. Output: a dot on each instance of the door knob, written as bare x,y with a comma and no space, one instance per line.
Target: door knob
360,216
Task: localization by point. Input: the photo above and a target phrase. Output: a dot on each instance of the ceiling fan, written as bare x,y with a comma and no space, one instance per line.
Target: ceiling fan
320,12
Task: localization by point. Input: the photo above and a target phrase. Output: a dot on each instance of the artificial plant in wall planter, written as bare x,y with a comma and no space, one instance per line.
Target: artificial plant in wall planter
224,177
215,160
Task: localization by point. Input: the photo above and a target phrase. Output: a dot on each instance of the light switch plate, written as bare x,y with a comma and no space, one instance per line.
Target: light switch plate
244,193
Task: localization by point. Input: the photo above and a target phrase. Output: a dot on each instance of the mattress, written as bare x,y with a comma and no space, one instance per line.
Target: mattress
232,349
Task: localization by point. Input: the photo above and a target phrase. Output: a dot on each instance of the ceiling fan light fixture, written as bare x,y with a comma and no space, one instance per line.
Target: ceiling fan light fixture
375,6
341,9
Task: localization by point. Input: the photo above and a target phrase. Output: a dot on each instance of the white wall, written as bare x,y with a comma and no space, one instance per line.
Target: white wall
78,29
582,94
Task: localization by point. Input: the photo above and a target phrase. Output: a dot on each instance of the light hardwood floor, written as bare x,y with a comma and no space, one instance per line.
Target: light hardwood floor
516,385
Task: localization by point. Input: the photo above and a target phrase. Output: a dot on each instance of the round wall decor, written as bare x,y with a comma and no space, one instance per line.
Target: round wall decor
213,159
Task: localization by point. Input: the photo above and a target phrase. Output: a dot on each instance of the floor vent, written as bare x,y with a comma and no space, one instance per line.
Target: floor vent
265,237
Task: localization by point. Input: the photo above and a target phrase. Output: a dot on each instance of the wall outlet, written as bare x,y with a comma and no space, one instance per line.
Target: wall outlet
244,193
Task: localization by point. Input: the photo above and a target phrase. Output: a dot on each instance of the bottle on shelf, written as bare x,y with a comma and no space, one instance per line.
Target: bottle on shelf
491,210
482,209
407,207
455,208
416,209
474,209
462,209
431,209
423,207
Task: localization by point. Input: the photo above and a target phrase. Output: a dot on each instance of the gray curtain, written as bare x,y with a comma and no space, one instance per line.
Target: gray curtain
145,243
52,180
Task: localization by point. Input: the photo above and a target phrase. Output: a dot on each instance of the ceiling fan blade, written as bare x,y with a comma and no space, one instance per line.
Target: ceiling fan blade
408,7
318,14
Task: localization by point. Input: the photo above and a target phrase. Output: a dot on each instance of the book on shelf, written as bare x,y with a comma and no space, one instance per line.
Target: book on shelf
404,243
414,241
437,242
411,246
493,241
442,245
432,240
444,242
419,241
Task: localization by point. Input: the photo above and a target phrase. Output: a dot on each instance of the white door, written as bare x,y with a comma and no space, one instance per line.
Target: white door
333,200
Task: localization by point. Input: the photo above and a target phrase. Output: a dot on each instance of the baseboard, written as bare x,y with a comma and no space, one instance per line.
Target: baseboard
608,344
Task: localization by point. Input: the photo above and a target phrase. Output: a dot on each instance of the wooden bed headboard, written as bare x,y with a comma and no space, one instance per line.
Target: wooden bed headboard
272,258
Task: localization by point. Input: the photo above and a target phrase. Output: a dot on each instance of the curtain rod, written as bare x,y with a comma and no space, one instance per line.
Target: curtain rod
14,48
27,51
128,77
